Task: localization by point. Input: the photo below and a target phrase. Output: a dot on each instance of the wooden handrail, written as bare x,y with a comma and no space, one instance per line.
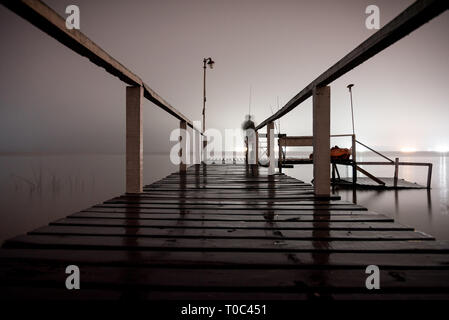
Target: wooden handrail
398,163
341,135
407,21
47,20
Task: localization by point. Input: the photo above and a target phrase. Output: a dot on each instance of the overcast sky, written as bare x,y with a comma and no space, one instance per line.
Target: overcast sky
53,100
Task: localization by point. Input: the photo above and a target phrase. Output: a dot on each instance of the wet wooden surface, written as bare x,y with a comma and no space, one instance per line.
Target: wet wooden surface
224,232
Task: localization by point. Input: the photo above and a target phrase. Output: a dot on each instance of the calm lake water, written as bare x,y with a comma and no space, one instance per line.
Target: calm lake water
37,189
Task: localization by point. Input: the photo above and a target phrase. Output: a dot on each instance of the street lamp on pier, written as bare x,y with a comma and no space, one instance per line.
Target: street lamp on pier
207,62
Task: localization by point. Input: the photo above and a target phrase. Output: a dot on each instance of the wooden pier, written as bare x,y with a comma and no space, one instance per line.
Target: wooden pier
224,232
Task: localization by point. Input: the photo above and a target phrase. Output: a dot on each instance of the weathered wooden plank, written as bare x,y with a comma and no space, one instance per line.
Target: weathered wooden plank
233,192
251,245
265,211
192,259
234,202
254,206
310,235
239,218
270,280
228,186
231,215
267,225
215,197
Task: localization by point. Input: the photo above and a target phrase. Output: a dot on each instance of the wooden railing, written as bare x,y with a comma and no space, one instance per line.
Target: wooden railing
389,162
47,20
409,20
285,141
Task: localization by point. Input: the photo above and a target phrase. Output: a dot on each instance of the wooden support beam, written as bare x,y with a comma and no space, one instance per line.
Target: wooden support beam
333,172
270,148
279,155
429,175
234,152
407,21
369,175
376,152
197,147
396,169
183,146
134,139
296,141
204,149
257,147
354,161
246,150
321,141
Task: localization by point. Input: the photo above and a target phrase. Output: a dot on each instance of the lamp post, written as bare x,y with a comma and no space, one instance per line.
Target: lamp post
352,109
206,62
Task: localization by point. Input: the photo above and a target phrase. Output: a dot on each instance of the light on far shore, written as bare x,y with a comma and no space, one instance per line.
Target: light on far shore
408,149
442,149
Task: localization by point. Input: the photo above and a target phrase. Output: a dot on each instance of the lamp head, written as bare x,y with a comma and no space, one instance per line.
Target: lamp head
350,86
210,63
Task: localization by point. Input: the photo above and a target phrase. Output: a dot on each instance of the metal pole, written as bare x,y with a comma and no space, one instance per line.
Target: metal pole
352,108
210,62
204,95
354,162
204,142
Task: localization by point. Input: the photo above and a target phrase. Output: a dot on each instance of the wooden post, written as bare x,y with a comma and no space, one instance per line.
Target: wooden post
270,147
246,149
396,172
134,140
197,146
321,141
183,146
354,161
257,147
429,175
234,152
280,155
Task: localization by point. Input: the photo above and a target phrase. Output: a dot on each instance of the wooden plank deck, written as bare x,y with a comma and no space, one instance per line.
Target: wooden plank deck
219,232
